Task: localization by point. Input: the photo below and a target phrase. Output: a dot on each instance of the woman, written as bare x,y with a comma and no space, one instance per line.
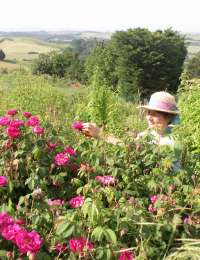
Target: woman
162,112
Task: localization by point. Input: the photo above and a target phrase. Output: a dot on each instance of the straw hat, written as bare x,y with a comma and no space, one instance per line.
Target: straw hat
162,101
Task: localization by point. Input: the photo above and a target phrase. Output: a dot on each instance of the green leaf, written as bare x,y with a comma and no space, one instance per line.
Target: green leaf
97,234
3,254
110,235
43,256
61,227
68,232
93,213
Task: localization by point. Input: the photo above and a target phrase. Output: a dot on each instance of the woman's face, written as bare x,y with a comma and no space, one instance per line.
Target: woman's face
157,120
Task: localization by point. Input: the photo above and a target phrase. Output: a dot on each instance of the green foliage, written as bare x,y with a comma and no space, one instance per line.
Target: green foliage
189,96
192,67
59,64
105,108
138,60
114,217
36,94
102,58
83,47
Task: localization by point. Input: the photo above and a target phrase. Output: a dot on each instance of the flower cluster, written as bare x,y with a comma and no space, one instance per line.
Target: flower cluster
27,242
62,159
60,248
78,125
3,181
77,201
151,207
56,202
126,255
78,245
106,180
13,125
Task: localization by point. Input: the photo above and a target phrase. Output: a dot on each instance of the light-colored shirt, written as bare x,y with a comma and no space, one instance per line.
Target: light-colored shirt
158,138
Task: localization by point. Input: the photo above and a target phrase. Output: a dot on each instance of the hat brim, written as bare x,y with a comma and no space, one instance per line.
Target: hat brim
176,112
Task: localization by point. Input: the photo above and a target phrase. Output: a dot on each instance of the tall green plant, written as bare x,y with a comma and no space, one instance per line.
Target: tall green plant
105,107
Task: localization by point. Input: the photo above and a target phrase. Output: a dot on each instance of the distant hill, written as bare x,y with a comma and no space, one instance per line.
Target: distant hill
21,48
58,36
193,43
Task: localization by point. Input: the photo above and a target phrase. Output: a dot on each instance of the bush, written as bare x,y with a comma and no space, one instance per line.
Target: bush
59,64
192,67
2,55
95,201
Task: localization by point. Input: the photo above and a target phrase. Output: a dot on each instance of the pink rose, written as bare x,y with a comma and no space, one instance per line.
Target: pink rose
106,180
69,150
61,159
153,199
38,130
20,221
28,242
126,255
78,125
12,112
10,254
9,232
79,245
33,121
16,123
151,209
60,248
13,132
77,201
5,220
27,114
57,202
51,146
3,181
4,121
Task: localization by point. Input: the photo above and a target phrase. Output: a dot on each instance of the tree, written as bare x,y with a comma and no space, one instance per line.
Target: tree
83,47
192,67
2,55
60,64
102,59
138,60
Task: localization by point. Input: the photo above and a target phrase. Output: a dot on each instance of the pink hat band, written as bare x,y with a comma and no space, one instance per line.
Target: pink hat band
162,105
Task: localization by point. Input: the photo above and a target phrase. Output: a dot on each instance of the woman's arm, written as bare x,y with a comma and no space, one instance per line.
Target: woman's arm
92,130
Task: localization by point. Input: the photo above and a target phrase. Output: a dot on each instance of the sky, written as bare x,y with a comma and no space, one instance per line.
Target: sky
99,15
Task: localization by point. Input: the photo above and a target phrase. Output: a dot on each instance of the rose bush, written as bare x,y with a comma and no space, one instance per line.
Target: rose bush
89,199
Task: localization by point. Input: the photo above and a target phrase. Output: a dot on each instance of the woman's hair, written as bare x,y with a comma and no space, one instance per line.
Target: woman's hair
169,116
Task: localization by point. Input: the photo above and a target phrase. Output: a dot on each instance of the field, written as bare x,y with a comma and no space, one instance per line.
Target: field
23,50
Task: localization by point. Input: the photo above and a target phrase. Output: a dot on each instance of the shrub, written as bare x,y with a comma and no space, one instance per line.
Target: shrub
59,64
192,67
2,55
95,200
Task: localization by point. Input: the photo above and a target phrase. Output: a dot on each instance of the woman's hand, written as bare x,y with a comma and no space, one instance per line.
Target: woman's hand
91,129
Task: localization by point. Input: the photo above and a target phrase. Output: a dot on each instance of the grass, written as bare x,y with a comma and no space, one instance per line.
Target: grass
22,48
7,66
21,51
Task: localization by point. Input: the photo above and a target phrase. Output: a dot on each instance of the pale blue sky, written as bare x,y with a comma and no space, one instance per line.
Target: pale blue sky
103,15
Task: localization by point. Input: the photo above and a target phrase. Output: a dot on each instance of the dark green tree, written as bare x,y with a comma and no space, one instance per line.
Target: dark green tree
192,67
102,58
83,47
138,60
59,64
2,55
